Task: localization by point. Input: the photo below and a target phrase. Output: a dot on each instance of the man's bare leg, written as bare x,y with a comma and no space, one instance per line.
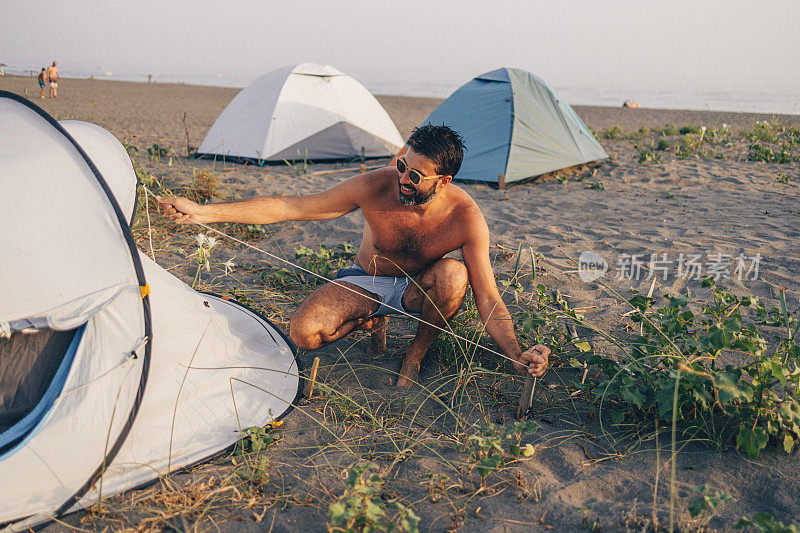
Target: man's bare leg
331,312
440,293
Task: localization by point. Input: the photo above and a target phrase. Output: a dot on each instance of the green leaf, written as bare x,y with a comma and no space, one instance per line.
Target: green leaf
642,303
489,464
730,389
788,444
582,345
751,441
696,507
528,450
574,363
790,410
633,396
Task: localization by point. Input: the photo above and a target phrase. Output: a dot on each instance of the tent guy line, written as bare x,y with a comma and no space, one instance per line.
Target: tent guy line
305,270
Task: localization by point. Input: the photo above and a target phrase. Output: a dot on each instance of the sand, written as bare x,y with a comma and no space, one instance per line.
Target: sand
688,206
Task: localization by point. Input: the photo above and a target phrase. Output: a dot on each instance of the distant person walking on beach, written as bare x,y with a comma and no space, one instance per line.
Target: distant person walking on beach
42,80
54,77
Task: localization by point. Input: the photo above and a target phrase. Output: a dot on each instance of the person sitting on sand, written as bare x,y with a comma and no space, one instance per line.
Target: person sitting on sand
631,105
414,216
54,77
42,81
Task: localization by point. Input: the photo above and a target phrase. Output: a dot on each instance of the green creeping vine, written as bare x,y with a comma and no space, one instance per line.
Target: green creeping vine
362,508
756,401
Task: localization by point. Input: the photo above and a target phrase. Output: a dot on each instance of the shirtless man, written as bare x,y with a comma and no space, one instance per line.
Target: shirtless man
54,77
42,82
414,216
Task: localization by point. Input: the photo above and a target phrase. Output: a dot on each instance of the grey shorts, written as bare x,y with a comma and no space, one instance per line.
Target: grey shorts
389,290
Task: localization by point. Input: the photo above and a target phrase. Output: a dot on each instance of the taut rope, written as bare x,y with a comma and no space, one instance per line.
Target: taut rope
307,271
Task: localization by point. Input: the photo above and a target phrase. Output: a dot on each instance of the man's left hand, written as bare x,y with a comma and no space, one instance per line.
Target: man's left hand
536,360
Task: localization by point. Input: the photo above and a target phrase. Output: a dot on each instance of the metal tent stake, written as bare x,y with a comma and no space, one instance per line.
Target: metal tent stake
526,400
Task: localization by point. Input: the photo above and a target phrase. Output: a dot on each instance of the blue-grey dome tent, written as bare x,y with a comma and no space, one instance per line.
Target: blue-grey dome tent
515,125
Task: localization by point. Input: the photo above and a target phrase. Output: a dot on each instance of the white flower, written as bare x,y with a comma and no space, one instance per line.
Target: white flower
211,242
229,265
201,239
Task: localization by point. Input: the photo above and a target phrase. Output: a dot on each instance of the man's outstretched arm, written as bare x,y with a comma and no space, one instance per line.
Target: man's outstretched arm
335,202
493,312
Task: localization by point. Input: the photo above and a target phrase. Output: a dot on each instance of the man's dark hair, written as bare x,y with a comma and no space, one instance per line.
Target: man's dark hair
441,145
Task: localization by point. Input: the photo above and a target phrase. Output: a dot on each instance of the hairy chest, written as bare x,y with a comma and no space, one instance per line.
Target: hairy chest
408,238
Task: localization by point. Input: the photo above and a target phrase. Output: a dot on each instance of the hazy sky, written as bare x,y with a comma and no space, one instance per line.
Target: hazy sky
702,44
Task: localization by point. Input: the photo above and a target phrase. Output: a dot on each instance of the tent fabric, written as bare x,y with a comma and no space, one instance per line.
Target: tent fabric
515,125
60,208
151,382
486,128
197,359
111,159
280,116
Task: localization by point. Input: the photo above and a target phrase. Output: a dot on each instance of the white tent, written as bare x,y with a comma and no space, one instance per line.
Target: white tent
303,111
112,371
110,158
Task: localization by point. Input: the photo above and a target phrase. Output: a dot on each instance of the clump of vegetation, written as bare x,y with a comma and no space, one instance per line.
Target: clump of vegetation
766,523
156,152
490,453
772,142
324,261
648,155
670,131
662,144
706,502
596,185
691,129
363,508
765,154
203,187
675,372
613,133
255,439
764,131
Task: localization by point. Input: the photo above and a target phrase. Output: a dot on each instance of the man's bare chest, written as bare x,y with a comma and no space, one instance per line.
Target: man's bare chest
411,239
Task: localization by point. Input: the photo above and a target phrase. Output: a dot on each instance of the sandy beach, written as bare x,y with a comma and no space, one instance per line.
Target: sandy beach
713,203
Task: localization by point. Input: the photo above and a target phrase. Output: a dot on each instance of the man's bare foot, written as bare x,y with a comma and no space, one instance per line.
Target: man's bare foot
377,326
409,373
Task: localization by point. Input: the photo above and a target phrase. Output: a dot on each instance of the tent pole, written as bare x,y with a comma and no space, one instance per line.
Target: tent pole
501,182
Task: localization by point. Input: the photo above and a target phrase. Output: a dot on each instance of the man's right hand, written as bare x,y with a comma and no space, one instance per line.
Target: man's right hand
182,210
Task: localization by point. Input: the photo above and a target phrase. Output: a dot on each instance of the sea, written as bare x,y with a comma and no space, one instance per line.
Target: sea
783,98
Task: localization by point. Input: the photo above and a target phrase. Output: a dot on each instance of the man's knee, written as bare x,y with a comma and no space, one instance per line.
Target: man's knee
305,332
451,278
450,285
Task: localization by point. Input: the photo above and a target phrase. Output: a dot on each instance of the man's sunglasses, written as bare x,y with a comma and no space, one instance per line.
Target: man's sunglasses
414,175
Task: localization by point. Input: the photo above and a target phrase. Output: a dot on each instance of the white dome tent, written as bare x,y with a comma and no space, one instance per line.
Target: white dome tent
110,368
303,111
110,158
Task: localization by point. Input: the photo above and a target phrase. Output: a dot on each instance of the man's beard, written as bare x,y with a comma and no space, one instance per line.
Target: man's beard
416,198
